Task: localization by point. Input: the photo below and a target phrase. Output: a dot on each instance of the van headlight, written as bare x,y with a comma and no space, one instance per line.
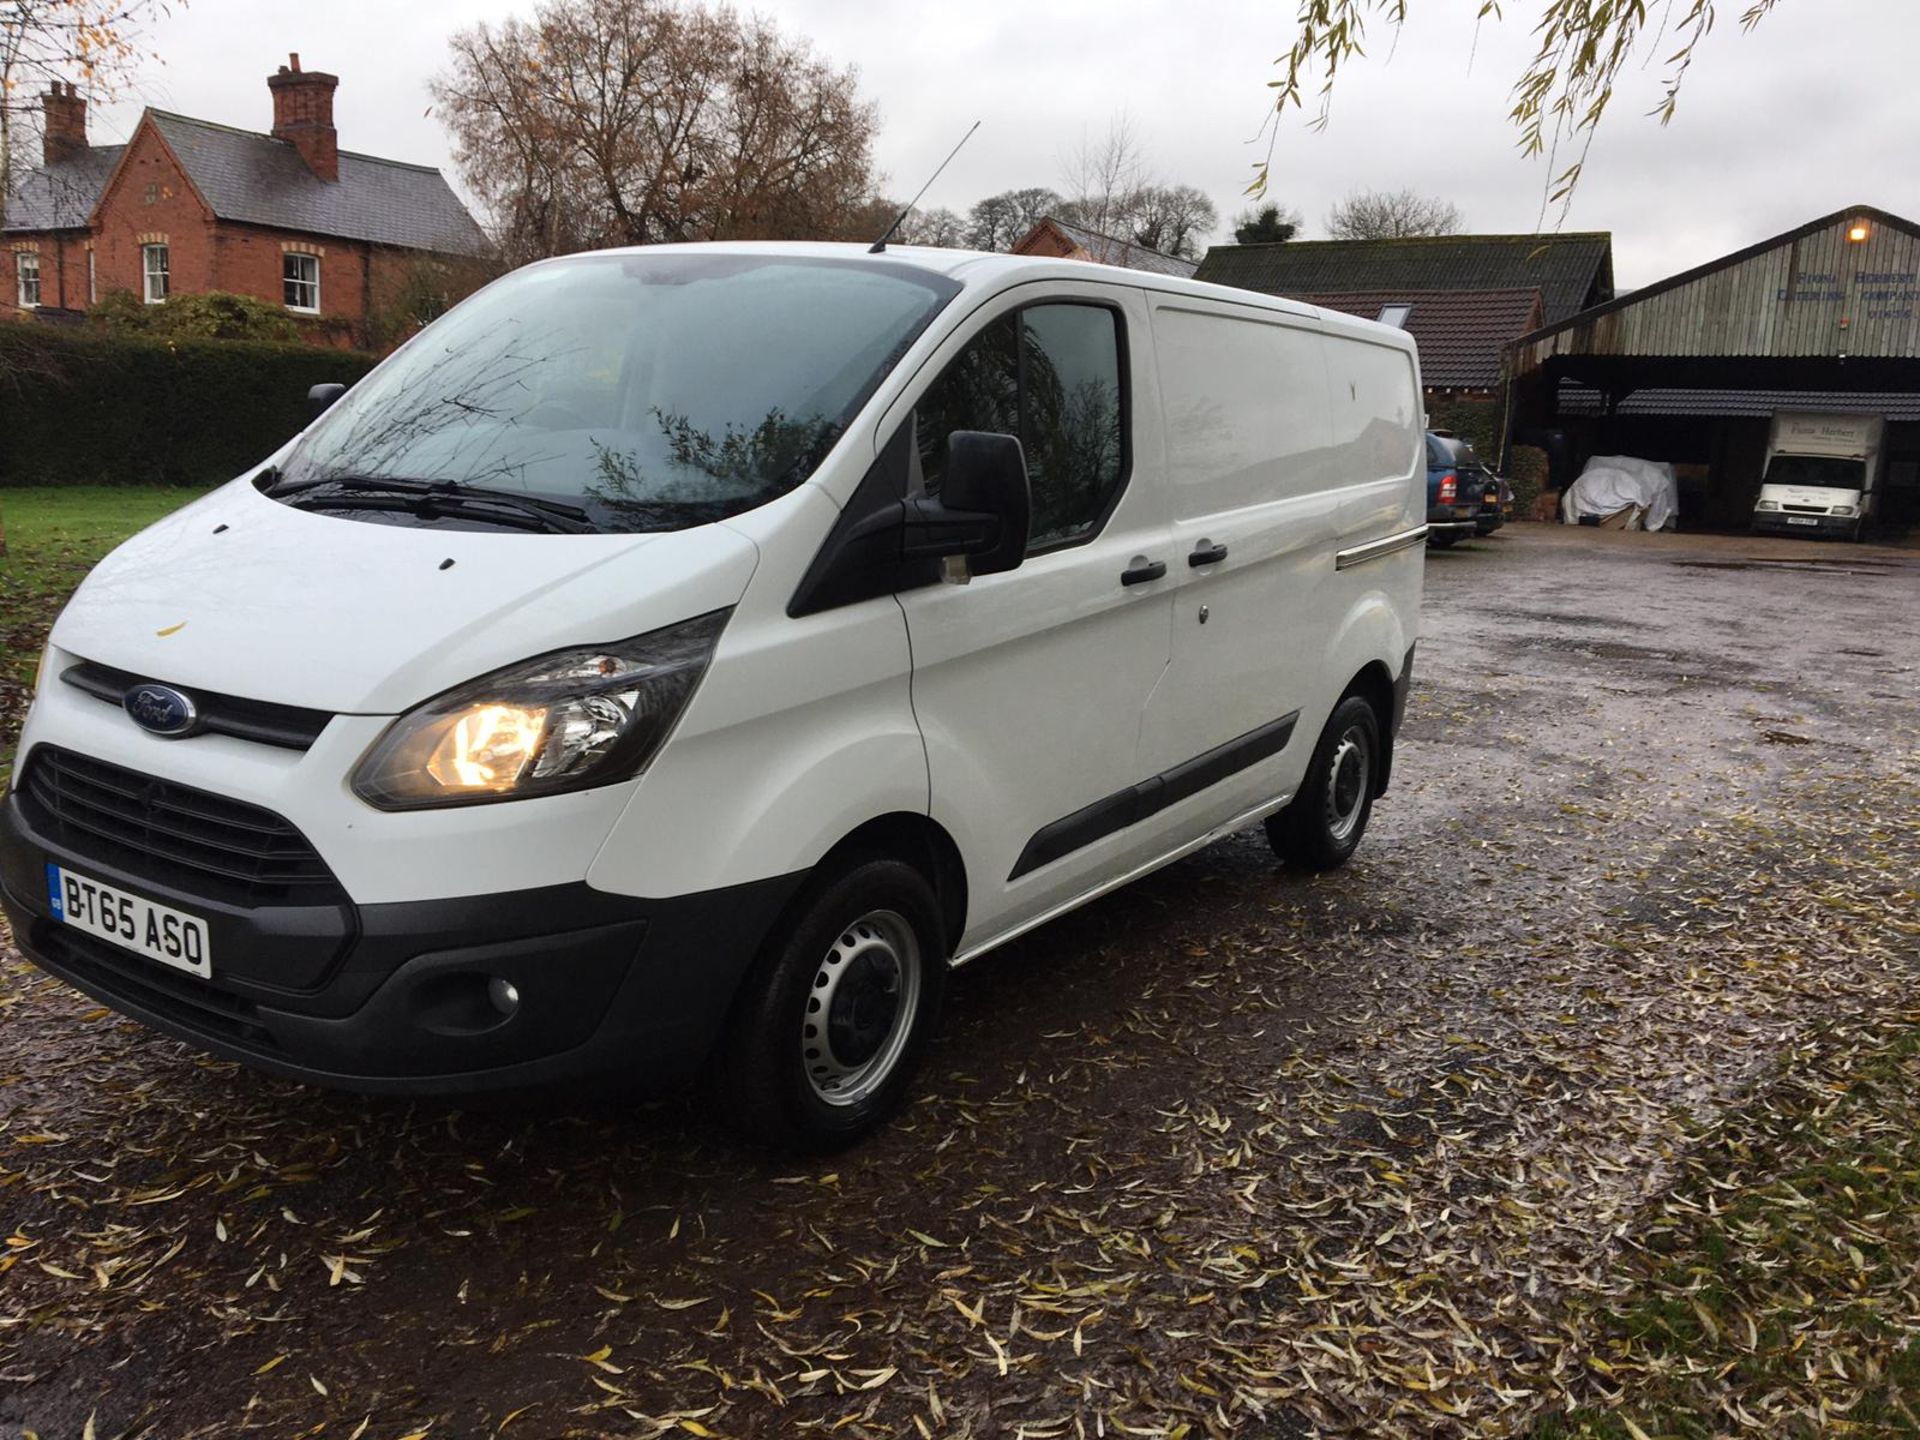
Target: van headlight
1768,505
566,721
1844,511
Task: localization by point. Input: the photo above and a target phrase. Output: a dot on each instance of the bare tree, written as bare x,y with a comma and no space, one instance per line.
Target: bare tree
1103,180
1267,224
942,227
1392,215
1172,219
626,122
998,222
95,42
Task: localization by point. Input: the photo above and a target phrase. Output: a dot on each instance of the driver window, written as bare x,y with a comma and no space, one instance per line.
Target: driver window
1049,374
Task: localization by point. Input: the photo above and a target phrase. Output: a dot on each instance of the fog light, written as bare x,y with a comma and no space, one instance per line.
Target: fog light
504,994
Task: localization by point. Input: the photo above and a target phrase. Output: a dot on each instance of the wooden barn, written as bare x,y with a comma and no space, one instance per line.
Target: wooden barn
1691,370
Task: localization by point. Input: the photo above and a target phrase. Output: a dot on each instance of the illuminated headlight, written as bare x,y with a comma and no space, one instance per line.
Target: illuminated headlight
1768,505
565,721
1844,511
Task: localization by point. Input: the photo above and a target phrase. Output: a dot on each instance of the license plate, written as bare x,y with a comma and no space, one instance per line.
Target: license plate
155,931
1803,519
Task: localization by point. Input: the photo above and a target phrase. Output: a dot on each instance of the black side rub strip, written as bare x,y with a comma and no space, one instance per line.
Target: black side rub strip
1135,803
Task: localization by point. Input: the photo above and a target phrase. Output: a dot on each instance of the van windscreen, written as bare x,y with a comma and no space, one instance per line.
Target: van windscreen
1827,472
653,391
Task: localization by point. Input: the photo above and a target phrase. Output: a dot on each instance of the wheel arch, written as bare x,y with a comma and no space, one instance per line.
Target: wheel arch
923,843
1374,684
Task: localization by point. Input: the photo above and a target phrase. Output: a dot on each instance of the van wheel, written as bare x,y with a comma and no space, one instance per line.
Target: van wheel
832,1022
1442,542
1321,829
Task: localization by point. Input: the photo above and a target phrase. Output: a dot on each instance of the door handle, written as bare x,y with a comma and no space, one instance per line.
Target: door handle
1207,555
1143,572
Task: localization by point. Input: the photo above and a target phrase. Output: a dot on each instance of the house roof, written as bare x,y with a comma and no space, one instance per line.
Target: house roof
1570,271
1106,249
258,180
62,196
1461,333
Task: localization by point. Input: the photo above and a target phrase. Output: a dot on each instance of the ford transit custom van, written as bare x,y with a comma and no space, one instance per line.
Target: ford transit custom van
675,661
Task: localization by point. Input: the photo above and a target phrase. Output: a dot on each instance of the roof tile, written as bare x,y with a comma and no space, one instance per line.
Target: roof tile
1461,333
259,180
1571,271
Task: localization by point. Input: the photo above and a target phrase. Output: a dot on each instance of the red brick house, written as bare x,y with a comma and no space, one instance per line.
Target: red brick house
1066,241
188,206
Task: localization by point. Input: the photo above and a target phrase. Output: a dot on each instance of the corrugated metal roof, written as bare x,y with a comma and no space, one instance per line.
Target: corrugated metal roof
1813,291
1461,333
1110,250
62,196
1570,271
1578,399
259,180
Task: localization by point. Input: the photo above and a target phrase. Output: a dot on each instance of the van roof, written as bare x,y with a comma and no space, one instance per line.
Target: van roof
978,268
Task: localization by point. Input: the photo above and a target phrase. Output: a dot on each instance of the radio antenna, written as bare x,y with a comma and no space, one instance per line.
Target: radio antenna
879,246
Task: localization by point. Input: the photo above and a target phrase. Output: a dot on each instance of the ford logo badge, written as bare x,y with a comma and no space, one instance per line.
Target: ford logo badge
162,709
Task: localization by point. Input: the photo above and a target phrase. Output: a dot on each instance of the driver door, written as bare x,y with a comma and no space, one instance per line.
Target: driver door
1029,686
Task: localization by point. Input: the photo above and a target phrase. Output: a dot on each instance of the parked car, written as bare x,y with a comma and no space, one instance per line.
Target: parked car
1456,485
1496,504
676,660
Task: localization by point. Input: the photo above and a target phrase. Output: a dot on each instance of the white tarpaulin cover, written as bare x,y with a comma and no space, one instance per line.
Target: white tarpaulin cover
1610,483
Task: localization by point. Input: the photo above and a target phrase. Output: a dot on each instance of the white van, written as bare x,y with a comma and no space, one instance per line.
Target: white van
1822,475
679,659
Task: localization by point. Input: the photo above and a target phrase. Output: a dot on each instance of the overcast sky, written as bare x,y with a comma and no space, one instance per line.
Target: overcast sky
1812,112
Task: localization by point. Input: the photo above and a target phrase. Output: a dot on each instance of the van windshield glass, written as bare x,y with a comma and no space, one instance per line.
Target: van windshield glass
1824,471
653,391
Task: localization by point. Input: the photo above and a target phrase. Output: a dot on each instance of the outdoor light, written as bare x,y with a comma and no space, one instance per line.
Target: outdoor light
1857,235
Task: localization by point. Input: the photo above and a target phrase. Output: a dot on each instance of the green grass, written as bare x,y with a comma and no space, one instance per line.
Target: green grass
1776,1288
54,535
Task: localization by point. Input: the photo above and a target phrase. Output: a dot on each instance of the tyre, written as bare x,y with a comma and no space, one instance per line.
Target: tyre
1322,827
833,1019
1442,542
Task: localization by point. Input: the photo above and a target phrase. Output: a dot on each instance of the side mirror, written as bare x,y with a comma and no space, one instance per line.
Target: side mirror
321,397
984,509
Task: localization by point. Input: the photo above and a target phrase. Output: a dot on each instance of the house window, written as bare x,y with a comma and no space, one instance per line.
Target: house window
93,280
1395,315
27,269
300,282
154,258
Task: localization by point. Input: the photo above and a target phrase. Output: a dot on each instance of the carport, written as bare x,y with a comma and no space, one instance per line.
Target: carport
1691,370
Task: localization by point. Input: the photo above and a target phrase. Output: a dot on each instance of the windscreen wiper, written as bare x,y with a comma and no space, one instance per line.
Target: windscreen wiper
431,497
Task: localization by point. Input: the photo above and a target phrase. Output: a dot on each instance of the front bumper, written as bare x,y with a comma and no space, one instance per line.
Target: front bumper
1777,522
391,998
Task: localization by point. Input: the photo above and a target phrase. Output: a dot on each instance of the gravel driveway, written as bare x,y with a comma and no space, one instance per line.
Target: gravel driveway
1235,1151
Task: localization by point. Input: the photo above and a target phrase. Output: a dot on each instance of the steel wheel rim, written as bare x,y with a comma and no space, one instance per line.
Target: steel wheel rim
860,1008
1349,773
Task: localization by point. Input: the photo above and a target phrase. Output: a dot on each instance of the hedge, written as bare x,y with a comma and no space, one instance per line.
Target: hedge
88,409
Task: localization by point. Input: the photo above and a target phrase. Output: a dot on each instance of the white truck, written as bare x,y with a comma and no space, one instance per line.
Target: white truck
1822,475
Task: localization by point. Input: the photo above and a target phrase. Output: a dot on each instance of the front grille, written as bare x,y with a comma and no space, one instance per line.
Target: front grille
171,834
1806,509
261,721
112,973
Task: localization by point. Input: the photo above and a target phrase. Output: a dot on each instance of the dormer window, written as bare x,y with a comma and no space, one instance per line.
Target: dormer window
1395,315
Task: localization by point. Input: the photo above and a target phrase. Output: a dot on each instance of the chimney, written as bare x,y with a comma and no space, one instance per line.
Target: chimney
303,115
65,136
